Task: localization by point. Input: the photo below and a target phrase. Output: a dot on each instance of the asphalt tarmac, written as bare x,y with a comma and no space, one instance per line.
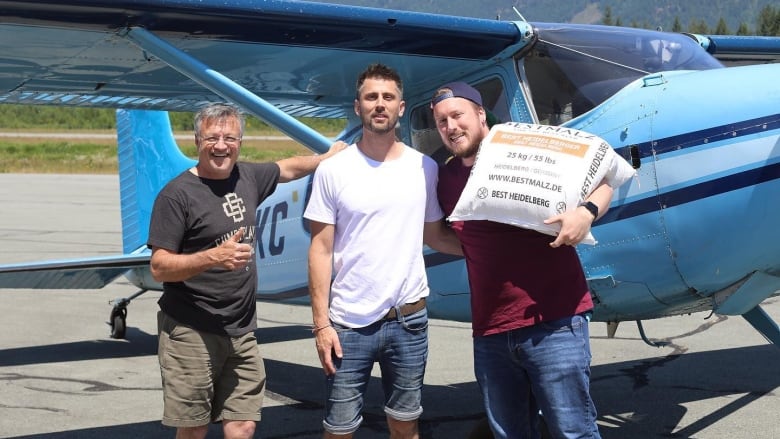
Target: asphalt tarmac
62,376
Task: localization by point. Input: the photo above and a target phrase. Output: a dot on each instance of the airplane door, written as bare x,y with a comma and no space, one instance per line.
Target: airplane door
632,271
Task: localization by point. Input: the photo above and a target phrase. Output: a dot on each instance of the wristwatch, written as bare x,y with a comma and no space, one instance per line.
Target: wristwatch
592,208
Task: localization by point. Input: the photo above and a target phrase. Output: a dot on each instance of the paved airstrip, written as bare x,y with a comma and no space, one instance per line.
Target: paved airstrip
62,376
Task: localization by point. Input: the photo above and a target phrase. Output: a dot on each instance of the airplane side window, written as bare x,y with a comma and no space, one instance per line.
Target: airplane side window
494,99
424,135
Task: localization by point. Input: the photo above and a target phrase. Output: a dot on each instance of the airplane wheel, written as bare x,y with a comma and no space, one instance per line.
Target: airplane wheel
118,322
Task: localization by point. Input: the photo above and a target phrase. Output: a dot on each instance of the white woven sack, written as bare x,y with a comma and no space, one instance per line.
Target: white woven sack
526,173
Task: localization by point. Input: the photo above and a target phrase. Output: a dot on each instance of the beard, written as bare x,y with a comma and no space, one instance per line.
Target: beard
464,152
389,126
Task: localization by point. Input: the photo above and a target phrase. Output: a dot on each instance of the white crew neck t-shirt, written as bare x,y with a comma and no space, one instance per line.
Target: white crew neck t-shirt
379,209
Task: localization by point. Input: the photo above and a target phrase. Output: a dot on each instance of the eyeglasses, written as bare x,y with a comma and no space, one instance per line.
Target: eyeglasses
208,142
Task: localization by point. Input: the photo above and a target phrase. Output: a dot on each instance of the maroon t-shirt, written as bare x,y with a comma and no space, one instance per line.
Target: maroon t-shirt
516,278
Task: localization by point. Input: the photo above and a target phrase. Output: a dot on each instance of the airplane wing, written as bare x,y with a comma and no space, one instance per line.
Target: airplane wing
70,274
733,50
300,57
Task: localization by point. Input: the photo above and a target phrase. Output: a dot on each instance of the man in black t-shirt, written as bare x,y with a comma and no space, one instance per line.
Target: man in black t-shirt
202,236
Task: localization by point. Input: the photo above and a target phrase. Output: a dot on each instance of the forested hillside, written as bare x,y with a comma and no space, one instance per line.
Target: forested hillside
691,15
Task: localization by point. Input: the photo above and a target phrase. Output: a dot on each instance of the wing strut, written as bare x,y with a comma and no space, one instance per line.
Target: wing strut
764,324
225,87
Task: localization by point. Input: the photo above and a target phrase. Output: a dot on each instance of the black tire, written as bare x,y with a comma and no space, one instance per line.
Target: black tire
118,324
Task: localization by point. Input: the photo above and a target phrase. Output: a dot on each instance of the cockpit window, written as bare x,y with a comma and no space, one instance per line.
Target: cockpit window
572,69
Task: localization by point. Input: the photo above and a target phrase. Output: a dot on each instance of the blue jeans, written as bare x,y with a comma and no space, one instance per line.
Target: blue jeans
401,348
545,367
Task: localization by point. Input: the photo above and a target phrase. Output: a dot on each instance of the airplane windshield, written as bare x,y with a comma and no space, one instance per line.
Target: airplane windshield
571,69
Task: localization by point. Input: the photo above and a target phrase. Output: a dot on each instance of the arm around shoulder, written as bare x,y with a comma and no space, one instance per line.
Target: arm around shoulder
440,237
293,168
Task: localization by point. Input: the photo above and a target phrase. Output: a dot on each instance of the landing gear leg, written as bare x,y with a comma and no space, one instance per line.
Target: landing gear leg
118,318
655,344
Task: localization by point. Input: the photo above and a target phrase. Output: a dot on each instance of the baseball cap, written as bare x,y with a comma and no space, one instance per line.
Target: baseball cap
459,90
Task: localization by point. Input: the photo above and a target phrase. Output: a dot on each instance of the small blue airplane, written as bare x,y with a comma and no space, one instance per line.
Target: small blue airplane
695,231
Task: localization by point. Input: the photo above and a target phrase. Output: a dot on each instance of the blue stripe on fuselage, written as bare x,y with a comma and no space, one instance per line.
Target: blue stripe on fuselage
710,135
692,193
705,189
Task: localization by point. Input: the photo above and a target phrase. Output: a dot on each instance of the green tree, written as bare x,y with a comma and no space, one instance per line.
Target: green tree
607,19
698,27
776,23
743,29
722,28
677,26
769,22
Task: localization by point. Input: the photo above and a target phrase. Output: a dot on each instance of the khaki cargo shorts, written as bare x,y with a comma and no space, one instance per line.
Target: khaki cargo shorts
208,377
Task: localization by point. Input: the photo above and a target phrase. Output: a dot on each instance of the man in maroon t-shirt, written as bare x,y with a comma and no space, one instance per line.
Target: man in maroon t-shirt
530,302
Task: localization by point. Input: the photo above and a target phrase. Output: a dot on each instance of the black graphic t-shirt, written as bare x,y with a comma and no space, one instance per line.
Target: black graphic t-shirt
192,214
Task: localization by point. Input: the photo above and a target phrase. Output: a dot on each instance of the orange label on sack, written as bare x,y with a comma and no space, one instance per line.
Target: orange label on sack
541,142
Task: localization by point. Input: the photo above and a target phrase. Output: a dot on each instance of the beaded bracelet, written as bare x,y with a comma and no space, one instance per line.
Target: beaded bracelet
318,328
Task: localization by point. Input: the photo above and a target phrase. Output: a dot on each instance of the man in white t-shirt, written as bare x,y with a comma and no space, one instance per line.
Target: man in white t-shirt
371,209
